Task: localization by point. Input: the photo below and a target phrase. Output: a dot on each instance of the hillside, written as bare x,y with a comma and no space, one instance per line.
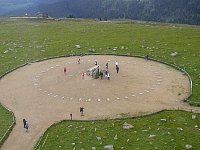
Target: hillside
173,11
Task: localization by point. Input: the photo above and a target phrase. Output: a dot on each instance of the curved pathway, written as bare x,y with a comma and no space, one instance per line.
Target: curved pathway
42,93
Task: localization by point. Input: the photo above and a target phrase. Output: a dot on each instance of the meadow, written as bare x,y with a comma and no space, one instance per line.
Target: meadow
23,41
166,130
5,123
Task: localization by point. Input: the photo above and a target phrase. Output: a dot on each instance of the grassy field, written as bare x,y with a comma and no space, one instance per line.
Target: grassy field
22,41
166,130
5,121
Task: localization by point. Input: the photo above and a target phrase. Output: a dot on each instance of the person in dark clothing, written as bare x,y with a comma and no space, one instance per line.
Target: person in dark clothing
117,68
27,126
101,74
65,69
24,122
106,65
81,111
146,57
71,116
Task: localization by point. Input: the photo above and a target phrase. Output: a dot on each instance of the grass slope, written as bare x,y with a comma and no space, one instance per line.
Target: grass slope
178,130
5,122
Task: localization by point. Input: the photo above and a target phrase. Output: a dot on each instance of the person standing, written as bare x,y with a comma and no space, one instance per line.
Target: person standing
116,64
146,57
83,75
81,111
95,62
24,122
107,65
108,75
101,74
65,70
27,126
117,68
79,60
71,116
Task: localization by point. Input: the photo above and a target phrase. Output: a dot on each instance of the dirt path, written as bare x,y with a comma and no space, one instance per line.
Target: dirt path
42,93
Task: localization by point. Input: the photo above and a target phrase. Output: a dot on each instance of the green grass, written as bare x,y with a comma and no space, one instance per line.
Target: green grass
22,41
167,133
25,41
5,121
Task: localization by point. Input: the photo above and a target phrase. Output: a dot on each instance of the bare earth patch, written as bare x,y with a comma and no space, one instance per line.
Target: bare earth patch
43,94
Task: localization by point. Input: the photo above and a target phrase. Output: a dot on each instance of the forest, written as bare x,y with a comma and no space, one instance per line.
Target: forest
170,11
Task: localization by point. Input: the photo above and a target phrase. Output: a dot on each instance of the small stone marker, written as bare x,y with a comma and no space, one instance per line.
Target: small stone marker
164,120
174,54
145,130
78,46
73,144
93,148
115,138
188,146
108,147
193,117
151,136
98,138
180,129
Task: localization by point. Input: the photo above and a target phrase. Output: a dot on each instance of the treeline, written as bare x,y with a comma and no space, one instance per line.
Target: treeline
172,11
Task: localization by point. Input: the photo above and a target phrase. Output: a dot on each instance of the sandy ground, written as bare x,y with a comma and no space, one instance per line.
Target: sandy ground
43,94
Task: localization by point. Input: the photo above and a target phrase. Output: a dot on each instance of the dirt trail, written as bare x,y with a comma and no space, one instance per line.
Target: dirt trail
43,94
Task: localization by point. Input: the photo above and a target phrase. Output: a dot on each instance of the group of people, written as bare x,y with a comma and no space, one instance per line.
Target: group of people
107,75
104,73
81,111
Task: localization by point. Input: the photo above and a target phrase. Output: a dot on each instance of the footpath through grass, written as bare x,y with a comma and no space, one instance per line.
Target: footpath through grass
167,130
